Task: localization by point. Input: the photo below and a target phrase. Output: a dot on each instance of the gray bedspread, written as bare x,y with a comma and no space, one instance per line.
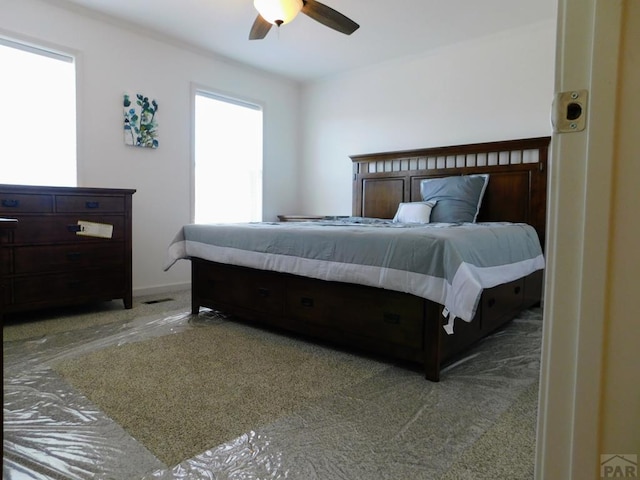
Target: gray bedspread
447,263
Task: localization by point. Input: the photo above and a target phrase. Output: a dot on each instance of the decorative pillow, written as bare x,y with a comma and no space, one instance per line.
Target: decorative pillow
458,198
414,212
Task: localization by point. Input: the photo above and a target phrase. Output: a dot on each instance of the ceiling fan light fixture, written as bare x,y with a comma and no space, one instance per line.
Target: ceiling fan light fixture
278,12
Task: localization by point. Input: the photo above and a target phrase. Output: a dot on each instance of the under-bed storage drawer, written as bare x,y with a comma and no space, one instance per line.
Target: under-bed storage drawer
236,286
395,318
533,285
500,301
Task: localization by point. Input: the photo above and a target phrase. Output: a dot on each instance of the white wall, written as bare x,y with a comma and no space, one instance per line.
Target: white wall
113,59
497,87
494,88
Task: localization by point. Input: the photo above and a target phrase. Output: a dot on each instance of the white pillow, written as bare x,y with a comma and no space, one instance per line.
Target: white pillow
414,212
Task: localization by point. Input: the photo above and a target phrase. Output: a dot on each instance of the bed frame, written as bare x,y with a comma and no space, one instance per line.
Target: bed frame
397,325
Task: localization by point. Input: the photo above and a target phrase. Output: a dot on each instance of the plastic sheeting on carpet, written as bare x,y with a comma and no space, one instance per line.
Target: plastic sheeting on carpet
395,425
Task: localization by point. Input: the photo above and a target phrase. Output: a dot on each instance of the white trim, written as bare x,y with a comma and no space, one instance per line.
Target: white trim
36,49
577,245
161,289
193,91
228,99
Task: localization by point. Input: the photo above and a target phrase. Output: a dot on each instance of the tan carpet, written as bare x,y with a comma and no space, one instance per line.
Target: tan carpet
184,393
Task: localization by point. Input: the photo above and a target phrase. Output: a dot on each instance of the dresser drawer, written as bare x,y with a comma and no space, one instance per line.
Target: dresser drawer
67,257
63,228
6,260
395,319
58,288
17,203
88,203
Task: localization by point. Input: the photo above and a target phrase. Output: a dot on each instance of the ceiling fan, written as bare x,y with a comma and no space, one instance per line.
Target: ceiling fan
279,12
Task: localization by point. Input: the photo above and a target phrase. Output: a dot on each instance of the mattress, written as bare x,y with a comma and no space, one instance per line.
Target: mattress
450,264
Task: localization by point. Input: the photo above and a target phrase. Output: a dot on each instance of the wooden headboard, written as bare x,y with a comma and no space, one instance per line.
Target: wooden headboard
516,192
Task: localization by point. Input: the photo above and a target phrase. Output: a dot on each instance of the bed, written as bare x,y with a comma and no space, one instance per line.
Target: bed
365,281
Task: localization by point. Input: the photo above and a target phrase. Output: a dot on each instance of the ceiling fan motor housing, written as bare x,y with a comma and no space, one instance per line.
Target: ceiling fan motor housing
278,12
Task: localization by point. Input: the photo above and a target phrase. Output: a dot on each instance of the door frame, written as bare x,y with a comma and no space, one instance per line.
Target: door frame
579,199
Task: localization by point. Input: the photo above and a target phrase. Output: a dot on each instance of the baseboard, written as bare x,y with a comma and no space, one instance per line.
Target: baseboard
161,289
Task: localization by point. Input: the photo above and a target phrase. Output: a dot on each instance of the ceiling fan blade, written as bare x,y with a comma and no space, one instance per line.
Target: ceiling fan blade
329,17
259,29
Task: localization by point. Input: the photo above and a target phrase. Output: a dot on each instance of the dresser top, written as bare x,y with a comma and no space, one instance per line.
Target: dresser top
63,190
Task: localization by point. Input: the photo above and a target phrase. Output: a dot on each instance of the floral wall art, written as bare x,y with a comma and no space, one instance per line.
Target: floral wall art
140,123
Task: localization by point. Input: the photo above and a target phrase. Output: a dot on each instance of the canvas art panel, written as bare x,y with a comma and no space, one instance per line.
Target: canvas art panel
140,122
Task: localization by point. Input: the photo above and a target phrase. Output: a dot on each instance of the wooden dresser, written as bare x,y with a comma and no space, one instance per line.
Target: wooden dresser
69,246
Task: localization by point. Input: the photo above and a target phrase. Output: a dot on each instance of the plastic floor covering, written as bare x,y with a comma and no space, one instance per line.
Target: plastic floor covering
394,425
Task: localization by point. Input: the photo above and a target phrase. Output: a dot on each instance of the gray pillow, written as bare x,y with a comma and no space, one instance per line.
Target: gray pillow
457,198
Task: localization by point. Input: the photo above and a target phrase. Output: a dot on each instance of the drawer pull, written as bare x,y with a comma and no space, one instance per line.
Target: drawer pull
92,204
74,228
306,302
10,203
516,290
264,292
392,318
491,302
74,256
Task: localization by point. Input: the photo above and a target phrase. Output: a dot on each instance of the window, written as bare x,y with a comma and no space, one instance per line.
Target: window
227,160
38,121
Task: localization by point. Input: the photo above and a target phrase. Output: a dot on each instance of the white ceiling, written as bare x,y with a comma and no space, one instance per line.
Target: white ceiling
306,50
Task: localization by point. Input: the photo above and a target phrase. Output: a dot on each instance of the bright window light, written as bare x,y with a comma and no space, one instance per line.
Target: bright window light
228,160
38,121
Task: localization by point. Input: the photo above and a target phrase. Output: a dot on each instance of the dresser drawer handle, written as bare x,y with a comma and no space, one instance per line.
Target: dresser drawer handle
306,302
74,228
10,203
74,256
264,292
92,204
